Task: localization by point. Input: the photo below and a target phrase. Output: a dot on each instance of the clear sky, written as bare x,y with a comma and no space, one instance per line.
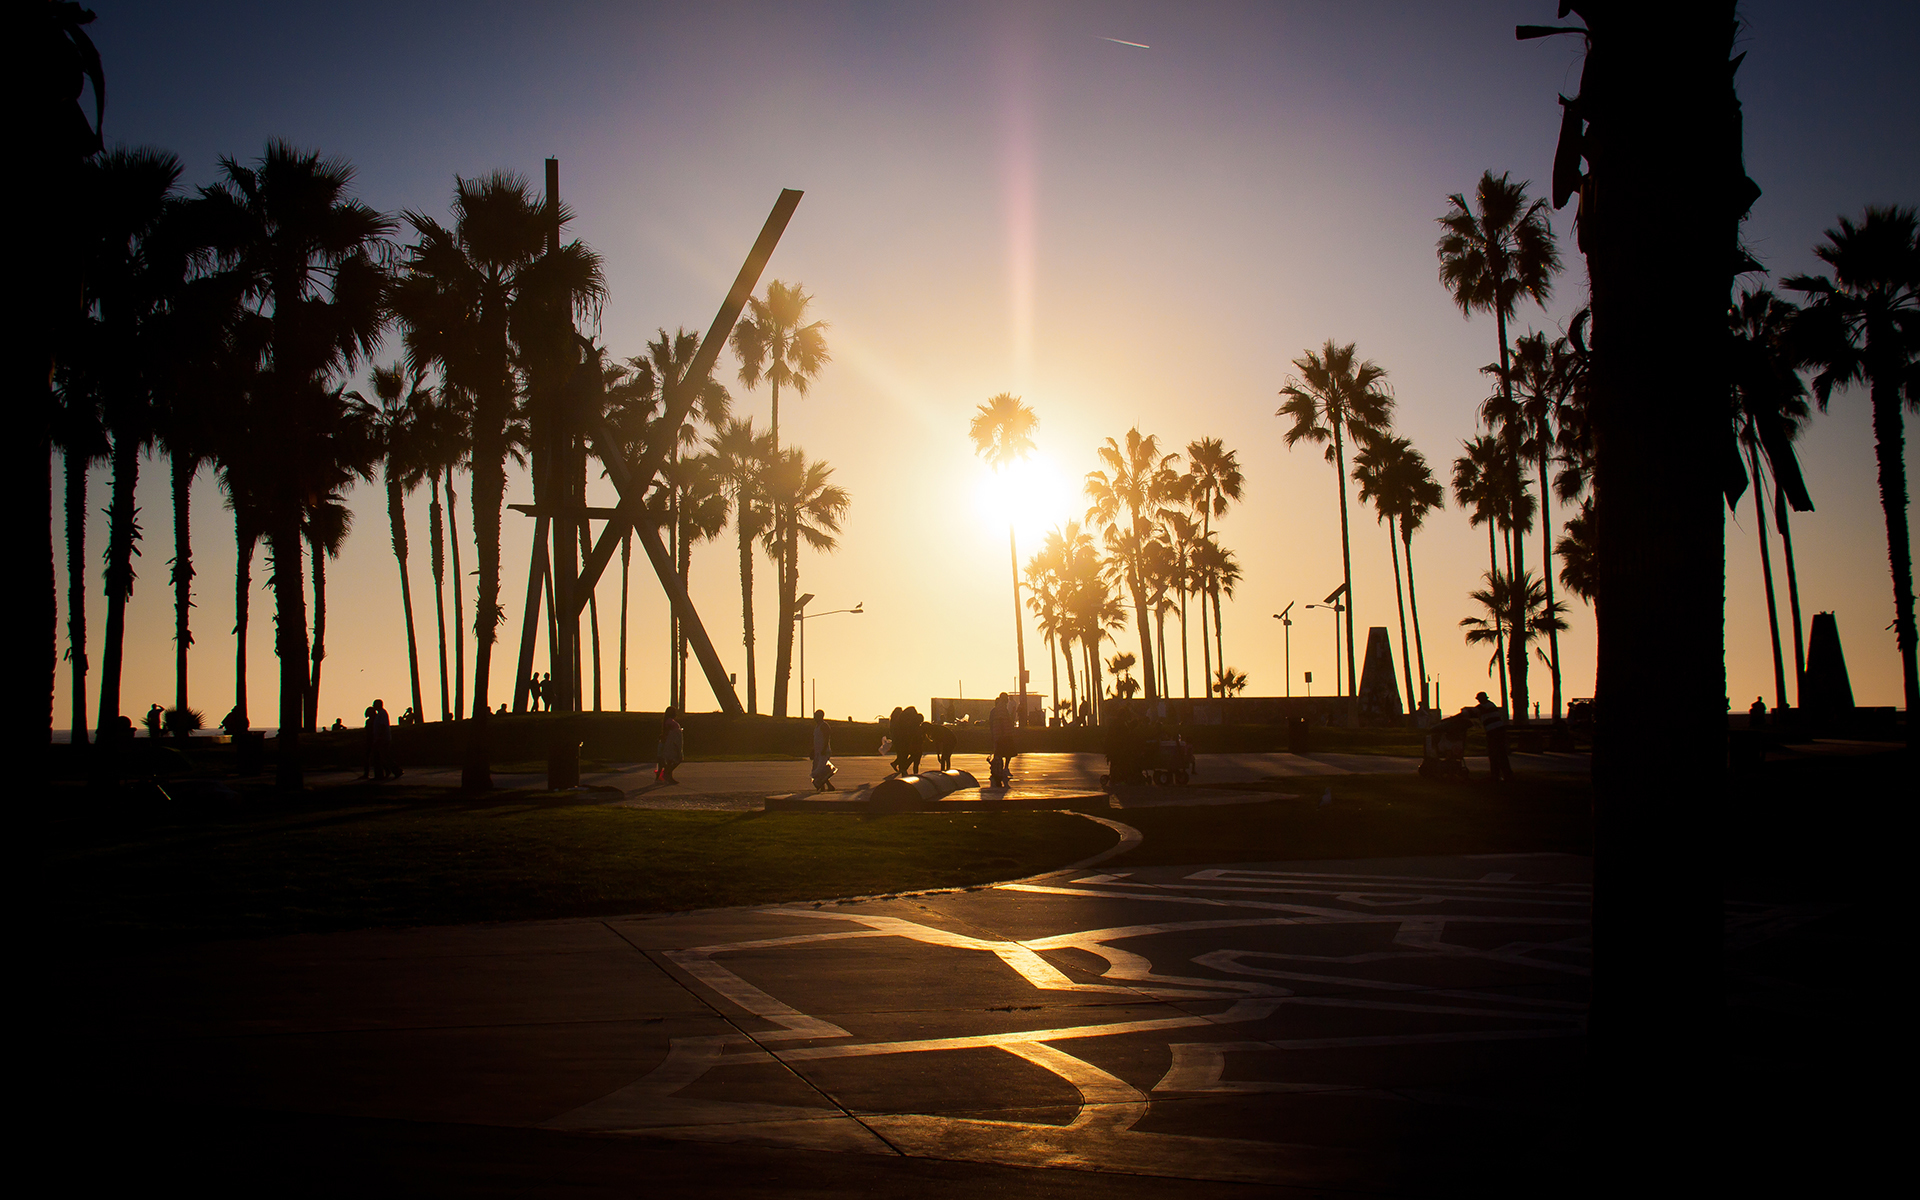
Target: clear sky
1000,198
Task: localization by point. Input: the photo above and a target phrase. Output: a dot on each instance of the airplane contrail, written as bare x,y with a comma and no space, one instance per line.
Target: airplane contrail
1119,42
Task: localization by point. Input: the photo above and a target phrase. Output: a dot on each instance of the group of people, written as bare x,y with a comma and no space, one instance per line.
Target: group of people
910,737
541,693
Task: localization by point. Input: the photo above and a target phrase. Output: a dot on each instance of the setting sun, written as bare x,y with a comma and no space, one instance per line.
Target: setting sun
1035,494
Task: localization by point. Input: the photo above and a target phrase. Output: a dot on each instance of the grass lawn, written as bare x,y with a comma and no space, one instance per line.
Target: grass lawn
438,863
1371,816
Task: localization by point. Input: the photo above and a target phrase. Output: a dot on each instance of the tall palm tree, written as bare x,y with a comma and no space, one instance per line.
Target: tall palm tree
774,339
135,267
1219,573
439,423
1043,600
325,527
303,255
1494,253
1536,390
400,396
1380,468
1332,399
1862,325
475,296
1125,686
1483,484
742,459
1183,534
1214,484
1578,558
1130,497
703,504
1420,494
1057,572
1002,433
82,441
807,508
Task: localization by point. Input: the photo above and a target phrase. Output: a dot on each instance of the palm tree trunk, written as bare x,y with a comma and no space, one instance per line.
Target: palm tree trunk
626,580
184,469
685,567
397,519
1139,591
244,541
1160,645
1766,575
746,606
1019,629
1346,565
1546,568
76,503
123,531
1186,680
1793,596
1220,646
489,494
290,645
439,591
319,634
1053,672
1413,602
1499,618
783,614
459,613
1094,686
1406,659
1206,647
1889,447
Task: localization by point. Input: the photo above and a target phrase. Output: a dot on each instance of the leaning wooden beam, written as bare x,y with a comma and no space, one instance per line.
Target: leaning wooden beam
647,530
680,397
530,622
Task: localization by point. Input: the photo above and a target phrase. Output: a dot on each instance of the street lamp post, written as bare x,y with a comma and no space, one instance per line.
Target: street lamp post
1282,617
1336,608
800,616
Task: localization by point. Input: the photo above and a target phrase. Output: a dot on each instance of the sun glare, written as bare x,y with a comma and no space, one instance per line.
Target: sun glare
1034,494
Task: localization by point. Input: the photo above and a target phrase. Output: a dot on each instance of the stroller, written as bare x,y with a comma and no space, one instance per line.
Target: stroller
1445,754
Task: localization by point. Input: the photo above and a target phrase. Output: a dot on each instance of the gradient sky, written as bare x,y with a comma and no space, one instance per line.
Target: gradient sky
1000,199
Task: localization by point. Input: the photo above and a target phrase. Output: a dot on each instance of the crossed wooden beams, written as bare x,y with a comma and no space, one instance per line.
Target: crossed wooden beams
631,480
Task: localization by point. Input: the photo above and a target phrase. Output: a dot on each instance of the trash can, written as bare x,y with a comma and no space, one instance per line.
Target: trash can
1297,738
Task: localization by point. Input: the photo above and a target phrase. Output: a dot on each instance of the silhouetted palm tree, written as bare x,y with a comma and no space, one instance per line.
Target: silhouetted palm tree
1379,468
82,441
1862,325
1516,602
776,340
301,254
1332,399
1183,533
326,526
1214,484
1219,573
399,398
1125,686
440,421
806,508
470,295
1230,682
1493,253
1483,483
742,459
1130,497
703,505
1002,433
1577,553
1420,494
135,267
1536,390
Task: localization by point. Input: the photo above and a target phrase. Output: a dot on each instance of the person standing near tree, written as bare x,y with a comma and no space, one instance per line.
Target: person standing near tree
1494,720
823,769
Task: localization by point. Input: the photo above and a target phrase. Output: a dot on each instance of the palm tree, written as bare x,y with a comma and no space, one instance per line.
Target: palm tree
1332,399
1183,533
1219,573
776,340
1002,433
399,398
1214,483
440,425
301,254
1544,376
1380,468
1516,602
1230,682
325,526
82,441
742,459
135,266
1130,497
1120,666
1862,325
1492,254
1578,565
1483,484
1057,573
703,505
1420,494
474,296
806,508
